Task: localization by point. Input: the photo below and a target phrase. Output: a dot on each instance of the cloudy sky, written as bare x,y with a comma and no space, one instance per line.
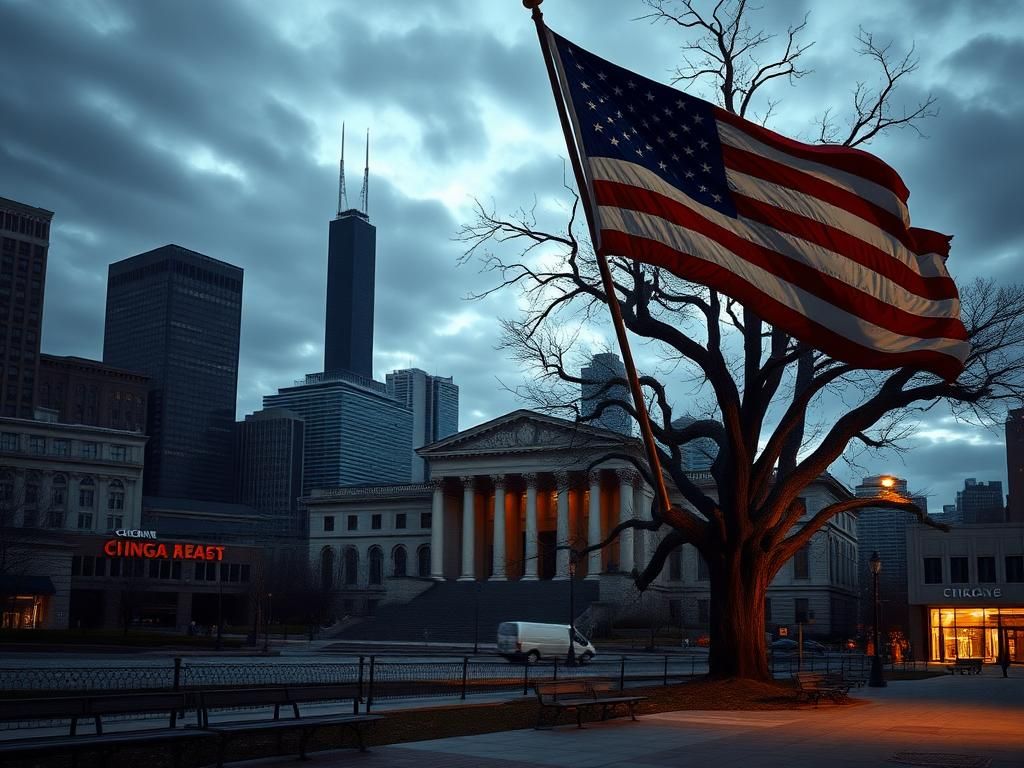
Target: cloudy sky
215,125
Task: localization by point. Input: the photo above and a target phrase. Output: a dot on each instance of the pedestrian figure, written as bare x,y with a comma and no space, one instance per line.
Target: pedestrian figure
1004,660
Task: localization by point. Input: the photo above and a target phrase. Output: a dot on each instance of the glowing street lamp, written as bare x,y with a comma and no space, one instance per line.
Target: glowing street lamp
876,680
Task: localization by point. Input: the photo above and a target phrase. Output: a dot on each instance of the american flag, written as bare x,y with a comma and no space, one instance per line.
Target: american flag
815,239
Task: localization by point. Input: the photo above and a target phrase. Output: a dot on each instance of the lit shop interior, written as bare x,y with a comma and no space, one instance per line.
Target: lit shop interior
976,633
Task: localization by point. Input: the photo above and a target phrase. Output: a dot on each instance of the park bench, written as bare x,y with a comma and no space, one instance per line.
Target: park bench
851,677
579,695
965,667
95,708
814,685
287,697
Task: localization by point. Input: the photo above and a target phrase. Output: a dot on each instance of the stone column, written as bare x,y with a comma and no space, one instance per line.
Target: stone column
530,566
437,531
627,480
594,525
468,530
562,526
499,528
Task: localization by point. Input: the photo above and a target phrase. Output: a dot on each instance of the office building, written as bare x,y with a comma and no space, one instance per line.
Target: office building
355,432
24,242
595,389
174,315
268,460
351,264
981,502
1015,465
434,403
81,391
698,454
884,531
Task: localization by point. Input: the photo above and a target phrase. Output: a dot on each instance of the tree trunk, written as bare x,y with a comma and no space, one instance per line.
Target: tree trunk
738,587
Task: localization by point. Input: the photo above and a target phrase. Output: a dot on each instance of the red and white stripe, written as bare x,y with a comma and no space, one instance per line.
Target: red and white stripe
822,247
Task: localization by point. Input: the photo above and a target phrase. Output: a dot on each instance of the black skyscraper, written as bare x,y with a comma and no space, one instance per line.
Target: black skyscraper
351,262
348,340
174,315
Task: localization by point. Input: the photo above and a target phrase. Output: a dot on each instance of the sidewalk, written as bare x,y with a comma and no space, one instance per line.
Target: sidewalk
953,721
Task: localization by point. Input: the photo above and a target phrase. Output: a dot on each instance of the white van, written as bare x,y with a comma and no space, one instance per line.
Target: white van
525,640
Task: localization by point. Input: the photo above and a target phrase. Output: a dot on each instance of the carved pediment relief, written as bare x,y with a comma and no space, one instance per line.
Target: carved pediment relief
518,433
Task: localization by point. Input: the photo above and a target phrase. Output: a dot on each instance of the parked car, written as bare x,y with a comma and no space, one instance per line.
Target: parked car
786,645
530,642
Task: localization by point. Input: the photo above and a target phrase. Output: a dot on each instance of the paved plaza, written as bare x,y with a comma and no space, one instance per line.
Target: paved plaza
952,721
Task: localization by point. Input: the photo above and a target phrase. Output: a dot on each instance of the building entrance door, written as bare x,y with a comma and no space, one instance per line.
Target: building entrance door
1015,644
546,542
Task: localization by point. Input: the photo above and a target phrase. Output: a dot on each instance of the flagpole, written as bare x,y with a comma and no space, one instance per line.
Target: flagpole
643,418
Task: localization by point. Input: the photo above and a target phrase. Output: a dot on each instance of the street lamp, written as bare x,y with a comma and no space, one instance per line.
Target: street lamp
876,680
572,607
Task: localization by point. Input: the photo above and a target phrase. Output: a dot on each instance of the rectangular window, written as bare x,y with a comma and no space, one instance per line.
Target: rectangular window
767,609
328,522
76,565
933,570
176,570
702,568
245,572
85,521
154,569
400,520
801,563
200,571
426,519
165,569
58,497
9,441
118,453
37,444
87,450
353,523
958,570
703,612
375,522
86,497
114,522
61,447
800,610
986,570
1015,568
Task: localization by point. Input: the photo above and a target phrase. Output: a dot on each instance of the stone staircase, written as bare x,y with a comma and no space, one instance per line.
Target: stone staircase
446,612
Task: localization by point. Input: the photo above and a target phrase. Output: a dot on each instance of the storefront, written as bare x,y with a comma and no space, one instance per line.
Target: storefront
975,633
24,600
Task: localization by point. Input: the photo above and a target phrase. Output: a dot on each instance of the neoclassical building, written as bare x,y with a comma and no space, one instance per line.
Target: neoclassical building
506,502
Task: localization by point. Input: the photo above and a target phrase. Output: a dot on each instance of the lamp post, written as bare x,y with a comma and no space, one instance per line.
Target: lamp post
476,617
220,608
876,680
572,607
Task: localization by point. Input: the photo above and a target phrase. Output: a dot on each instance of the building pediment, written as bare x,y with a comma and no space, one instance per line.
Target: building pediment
524,431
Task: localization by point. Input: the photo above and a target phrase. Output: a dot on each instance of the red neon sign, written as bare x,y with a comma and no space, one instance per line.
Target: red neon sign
152,551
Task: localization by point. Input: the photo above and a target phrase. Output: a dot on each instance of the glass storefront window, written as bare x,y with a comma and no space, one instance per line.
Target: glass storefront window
975,633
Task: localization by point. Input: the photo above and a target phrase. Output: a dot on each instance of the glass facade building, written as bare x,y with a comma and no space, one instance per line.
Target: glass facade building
699,454
355,432
434,402
604,367
351,260
269,460
24,243
174,315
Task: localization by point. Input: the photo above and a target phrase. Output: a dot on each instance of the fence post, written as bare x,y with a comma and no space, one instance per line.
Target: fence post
622,674
465,665
665,682
369,695
359,690
526,678
177,687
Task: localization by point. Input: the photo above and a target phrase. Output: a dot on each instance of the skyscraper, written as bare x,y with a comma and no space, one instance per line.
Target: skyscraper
699,454
434,403
1015,465
24,242
174,315
356,433
604,367
351,263
269,461
981,502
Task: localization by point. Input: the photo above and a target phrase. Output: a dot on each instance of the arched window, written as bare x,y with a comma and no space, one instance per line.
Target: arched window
398,561
351,566
327,568
376,566
60,490
87,493
115,497
423,561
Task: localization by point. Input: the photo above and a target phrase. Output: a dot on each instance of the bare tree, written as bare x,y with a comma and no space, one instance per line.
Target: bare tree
764,384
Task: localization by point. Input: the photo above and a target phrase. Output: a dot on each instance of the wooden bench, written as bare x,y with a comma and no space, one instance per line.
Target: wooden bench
95,708
289,697
852,678
579,695
965,667
814,685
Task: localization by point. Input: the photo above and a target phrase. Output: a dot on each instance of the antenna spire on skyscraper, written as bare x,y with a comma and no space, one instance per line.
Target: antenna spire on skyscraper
342,202
364,197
